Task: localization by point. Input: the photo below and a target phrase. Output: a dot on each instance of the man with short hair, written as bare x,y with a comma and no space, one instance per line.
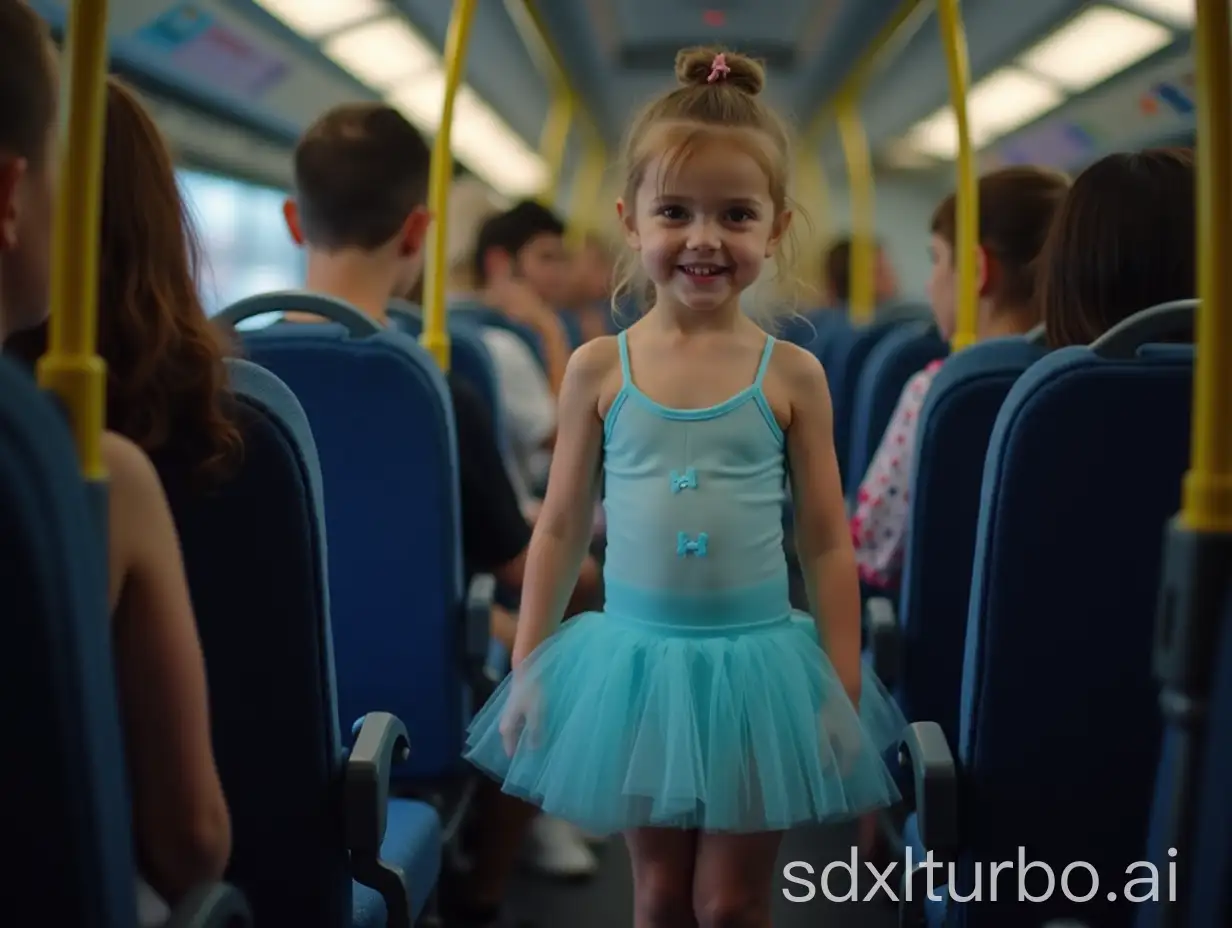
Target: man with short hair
521,270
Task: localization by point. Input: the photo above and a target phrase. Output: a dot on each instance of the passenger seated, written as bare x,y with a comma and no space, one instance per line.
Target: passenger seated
1122,241
521,271
837,272
361,183
589,293
181,824
1016,208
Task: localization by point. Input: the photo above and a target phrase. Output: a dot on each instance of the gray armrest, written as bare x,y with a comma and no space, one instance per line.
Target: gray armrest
381,743
211,905
924,751
479,597
884,639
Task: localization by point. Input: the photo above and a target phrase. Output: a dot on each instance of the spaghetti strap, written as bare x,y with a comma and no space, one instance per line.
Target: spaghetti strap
625,372
765,361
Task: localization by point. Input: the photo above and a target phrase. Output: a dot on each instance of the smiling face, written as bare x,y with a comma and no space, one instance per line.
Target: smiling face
704,220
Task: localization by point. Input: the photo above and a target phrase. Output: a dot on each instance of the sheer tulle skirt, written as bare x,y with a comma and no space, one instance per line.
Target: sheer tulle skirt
630,724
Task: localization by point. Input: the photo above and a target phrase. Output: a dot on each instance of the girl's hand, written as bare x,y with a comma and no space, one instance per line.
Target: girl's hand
522,715
841,729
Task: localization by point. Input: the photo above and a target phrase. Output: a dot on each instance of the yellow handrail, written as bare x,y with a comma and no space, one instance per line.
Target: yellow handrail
967,193
72,368
554,141
844,108
535,36
907,18
587,188
860,181
814,195
435,335
1207,503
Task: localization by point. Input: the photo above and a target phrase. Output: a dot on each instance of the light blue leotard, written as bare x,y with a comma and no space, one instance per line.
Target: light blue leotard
697,698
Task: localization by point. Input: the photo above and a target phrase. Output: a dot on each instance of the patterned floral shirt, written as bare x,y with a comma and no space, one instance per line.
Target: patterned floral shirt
879,525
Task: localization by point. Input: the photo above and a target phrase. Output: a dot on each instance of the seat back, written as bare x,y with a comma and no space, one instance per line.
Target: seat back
1059,723
951,443
63,786
892,362
475,314
255,557
383,421
843,355
469,357
810,329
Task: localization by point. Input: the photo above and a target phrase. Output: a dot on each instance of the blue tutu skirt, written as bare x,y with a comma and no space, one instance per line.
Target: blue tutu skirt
630,725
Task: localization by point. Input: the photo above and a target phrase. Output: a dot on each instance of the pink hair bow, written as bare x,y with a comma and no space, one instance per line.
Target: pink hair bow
719,69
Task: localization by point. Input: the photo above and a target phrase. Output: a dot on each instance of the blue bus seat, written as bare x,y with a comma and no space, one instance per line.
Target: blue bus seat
255,553
1059,721
476,314
843,355
383,421
918,652
64,785
469,357
893,361
810,329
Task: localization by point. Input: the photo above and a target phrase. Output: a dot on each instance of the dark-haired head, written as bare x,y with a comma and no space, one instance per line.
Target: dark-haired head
361,185
528,242
1016,207
836,268
1123,241
166,381
28,91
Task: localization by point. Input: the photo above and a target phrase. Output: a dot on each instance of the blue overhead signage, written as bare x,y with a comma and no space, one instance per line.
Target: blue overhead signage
199,45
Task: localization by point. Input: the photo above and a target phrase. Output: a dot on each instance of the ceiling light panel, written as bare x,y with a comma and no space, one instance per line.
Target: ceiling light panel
1094,46
999,104
421,98
483,142
479,139
316,18
383,52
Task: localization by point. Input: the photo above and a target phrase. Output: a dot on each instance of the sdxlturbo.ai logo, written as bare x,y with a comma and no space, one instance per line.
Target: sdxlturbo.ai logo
1078,882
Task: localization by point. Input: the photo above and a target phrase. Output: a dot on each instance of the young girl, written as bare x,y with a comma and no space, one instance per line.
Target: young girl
181,825
1016,208
696,713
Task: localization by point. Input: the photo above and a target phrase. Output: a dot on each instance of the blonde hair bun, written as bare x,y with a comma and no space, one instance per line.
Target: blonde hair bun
694,66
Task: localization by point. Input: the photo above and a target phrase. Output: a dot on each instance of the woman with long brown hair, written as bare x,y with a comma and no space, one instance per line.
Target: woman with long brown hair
166,382
166,394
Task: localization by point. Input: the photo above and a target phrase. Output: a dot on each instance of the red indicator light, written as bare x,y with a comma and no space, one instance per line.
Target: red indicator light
714,18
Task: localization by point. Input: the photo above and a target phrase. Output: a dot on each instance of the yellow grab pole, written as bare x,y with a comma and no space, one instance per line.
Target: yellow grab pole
814,198
860,183
1207,503
554,141
435,336
584,197
967,193
71,368
1196,577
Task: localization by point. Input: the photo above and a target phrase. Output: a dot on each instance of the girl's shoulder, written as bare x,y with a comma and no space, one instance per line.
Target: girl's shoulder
594,370
795,366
